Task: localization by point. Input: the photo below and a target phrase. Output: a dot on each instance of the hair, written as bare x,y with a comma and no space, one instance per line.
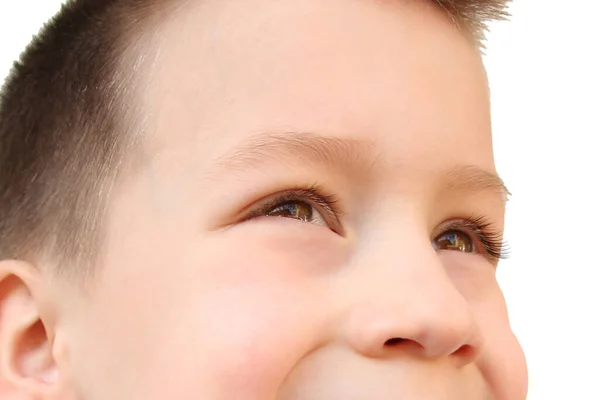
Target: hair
68,116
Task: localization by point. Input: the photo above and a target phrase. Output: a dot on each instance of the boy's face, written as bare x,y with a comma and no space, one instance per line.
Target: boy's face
298,226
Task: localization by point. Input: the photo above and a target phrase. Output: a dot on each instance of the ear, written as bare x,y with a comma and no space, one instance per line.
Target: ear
28,370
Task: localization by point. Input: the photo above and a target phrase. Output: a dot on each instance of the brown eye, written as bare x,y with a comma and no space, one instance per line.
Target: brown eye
297,210
454,240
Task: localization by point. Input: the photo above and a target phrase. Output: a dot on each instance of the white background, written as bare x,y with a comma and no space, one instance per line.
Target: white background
544,69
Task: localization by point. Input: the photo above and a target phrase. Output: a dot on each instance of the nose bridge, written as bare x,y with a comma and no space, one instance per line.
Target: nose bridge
401,297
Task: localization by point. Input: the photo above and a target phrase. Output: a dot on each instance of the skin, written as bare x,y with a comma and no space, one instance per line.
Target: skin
384,105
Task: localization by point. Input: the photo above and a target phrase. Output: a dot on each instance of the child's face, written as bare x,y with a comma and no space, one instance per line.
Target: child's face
274,107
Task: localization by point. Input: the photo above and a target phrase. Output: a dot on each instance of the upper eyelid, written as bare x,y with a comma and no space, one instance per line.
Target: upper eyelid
473,223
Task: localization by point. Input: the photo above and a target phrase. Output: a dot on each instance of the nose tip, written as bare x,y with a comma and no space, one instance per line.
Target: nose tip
417,331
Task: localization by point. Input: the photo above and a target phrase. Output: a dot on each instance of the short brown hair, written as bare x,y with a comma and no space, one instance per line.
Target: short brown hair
66,120
472,16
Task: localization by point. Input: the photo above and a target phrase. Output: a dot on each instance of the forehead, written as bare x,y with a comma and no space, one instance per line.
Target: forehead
397,73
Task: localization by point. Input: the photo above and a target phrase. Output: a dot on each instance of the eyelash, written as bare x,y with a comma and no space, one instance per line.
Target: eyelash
478,228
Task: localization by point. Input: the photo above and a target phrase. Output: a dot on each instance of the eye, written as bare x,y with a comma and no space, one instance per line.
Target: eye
454,240
473,235
306,204
299,210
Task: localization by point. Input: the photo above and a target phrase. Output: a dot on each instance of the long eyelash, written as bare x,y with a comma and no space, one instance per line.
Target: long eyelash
313,194
491,240
329,202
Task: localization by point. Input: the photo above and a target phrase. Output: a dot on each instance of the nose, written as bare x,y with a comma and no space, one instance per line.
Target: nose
412,311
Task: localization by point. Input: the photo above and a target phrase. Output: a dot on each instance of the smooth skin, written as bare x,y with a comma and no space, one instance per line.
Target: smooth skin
278,237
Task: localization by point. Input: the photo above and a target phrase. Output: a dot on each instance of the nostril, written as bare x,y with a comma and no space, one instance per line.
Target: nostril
465,351
394,341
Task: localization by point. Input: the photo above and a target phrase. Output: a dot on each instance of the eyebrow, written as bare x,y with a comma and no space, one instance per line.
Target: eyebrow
474,179
347,155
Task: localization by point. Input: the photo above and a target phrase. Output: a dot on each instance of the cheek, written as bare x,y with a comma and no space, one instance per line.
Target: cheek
239,313
502,363
473,277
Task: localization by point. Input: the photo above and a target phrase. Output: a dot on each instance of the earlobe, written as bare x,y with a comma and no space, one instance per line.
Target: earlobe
27,367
